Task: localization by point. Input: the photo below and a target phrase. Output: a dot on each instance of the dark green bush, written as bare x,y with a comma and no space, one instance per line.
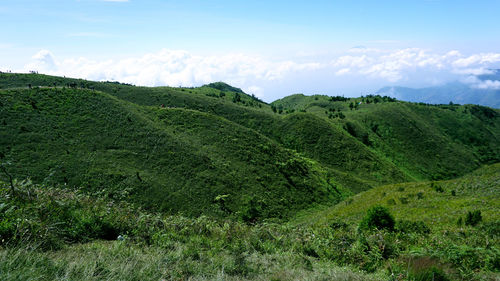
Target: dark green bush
6,230
473,218
377,217
437,187
420,195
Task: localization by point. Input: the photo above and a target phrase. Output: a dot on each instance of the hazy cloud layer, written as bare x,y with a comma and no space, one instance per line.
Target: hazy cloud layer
252,73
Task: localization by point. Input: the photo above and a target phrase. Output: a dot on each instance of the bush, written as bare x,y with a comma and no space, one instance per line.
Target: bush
437,187
377,217
420,195
473,218
7,229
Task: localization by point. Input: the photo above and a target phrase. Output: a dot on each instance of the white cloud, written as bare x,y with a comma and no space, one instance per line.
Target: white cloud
255,90
474,82
43,60
255,73
342,71
489,84
477,59
406,64
174,68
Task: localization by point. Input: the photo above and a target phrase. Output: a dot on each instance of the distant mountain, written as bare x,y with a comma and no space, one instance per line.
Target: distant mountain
494,76
455,92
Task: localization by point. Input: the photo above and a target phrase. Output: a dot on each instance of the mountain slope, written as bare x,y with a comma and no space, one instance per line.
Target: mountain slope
176,160
215,142
439,203
423,141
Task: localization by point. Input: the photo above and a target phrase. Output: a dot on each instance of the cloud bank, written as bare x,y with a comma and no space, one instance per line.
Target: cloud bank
371,67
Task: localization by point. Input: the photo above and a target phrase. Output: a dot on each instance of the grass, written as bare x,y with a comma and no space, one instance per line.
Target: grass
123,261
43,229
438,203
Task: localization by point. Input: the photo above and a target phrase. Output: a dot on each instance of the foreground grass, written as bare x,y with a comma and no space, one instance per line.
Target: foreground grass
51,233
121,260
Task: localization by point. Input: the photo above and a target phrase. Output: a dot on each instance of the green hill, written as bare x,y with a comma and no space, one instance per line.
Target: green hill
211,183
424,141
437,203
174,159
216,150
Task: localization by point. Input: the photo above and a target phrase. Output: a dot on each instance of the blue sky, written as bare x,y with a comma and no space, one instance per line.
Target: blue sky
272,48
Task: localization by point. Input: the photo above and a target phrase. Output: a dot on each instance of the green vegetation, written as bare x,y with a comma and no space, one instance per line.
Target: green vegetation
51,232
211,183
170,159
377,217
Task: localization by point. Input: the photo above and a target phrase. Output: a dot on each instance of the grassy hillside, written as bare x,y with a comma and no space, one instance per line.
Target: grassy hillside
440,204
425,142
378,141
62,234
174,159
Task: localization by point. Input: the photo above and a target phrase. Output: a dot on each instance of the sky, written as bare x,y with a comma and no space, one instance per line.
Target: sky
267,48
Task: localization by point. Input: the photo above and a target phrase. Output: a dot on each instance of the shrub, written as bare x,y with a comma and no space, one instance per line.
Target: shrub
420,195
473,218
437,187
377,217
7,229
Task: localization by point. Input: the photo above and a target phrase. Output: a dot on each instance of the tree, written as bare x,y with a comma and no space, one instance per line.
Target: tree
236,98
351,105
